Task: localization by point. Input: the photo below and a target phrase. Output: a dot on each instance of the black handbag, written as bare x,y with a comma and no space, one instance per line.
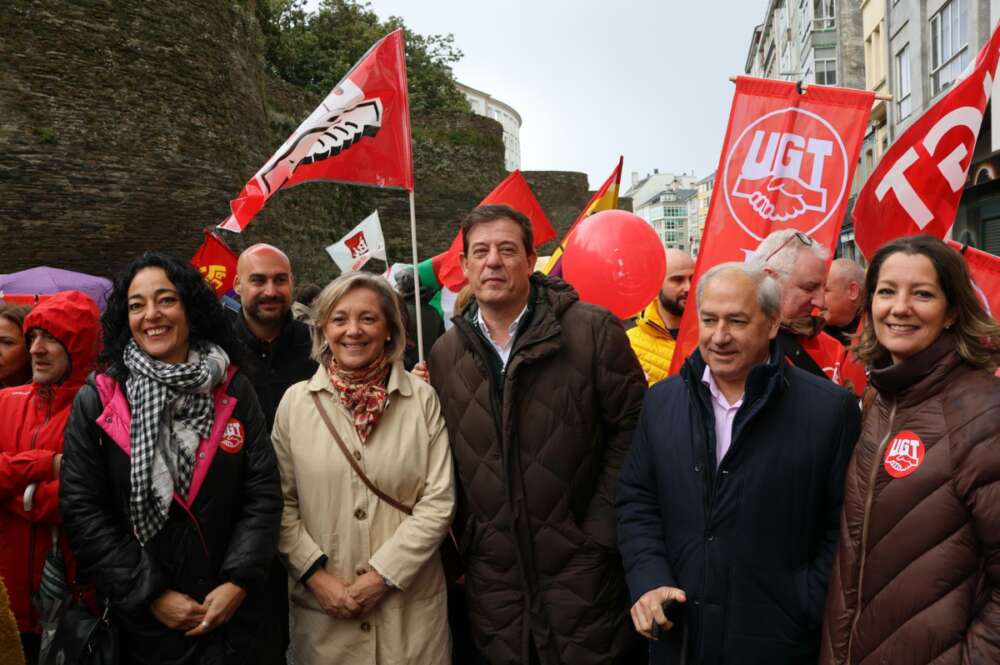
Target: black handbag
84,639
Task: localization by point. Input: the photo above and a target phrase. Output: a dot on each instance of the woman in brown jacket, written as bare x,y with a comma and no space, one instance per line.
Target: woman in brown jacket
917,575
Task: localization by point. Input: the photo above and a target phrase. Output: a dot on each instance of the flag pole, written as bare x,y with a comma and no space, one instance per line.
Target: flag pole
416,280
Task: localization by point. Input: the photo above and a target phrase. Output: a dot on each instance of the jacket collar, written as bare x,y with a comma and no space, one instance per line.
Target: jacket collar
400,381
116,421
550,298
116,418
920,375
650,317
254,342
764,380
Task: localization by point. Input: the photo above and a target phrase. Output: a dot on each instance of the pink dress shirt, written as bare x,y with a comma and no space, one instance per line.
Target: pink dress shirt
724,414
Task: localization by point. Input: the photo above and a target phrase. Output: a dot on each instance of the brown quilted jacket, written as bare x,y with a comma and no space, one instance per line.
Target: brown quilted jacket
537,460
916,580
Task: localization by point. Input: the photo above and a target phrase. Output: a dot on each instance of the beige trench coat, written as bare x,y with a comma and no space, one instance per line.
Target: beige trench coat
328,510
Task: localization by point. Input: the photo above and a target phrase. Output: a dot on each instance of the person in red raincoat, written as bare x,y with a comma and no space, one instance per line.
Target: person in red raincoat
63,335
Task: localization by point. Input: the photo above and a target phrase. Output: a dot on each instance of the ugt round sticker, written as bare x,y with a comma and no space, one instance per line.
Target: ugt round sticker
904,454
232,437
787,167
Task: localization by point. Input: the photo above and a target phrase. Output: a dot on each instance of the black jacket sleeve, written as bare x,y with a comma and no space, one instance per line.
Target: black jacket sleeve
621,385
106,551
849,418
641,531
254,541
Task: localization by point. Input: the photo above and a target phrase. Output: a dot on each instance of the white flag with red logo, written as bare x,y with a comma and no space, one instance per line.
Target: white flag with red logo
787,163
365,241
359,134
918,183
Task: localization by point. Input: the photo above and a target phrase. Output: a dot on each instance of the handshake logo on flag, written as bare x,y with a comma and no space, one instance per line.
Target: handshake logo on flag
787,166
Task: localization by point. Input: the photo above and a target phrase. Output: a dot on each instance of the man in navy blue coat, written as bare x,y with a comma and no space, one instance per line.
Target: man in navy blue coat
729,500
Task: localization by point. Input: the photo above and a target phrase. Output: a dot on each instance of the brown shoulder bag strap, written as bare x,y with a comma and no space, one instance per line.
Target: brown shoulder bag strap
354,464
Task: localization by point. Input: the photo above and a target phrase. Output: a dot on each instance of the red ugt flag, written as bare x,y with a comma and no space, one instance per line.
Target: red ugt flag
787,163
216,263
360,134
514,192
918,183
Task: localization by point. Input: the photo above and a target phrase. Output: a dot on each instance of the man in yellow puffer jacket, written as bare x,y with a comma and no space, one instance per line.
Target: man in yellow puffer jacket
655,330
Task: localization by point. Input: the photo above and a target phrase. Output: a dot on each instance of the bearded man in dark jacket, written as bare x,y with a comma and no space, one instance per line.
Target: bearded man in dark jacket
280,356
540,393
729,500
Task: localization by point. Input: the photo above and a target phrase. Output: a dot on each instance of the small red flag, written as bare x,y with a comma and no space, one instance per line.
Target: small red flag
984,268
918,182
514,192
359,134
216,263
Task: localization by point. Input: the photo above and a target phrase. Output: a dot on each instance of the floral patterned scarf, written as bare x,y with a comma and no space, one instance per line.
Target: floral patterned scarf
363,392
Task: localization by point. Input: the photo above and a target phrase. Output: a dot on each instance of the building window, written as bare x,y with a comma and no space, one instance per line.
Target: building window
826,72
903,101
824,17
949,44
786,60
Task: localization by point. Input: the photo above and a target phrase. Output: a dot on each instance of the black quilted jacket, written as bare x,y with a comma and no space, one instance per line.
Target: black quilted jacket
537,460
228,534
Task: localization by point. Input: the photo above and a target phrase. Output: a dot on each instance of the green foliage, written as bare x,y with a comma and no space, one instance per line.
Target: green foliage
45,135
315,50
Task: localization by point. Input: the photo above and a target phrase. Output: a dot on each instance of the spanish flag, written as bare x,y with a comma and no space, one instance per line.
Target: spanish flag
606,198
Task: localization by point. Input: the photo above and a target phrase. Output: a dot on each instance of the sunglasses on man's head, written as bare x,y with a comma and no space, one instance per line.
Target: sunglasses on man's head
803,238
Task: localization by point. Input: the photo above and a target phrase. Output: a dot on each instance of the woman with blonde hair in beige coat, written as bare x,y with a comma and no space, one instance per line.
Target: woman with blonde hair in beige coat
366,475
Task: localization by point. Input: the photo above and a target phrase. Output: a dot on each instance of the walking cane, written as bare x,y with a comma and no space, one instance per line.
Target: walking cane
674,612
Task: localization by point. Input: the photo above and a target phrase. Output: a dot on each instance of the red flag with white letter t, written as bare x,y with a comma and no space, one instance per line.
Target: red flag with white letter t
359,134
918,183
787,163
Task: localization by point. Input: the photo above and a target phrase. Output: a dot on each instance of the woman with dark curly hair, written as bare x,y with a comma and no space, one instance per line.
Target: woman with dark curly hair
170,493
917,575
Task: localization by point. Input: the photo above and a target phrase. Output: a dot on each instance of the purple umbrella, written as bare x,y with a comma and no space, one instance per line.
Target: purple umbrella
45,280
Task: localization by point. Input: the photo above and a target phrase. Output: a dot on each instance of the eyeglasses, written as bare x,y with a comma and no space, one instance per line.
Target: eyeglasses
803,238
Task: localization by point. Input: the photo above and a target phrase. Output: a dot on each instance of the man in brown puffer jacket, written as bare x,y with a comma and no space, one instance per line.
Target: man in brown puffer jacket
540,393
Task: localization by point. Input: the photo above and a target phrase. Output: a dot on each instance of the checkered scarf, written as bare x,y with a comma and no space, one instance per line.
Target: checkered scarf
172,410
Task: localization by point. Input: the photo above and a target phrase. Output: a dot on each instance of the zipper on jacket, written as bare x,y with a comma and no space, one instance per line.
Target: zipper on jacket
31,529
869,499
197,527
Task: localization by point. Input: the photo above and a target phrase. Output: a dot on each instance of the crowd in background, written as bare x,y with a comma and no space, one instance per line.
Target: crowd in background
288,483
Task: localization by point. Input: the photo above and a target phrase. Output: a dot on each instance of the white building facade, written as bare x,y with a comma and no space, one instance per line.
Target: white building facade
667,212
485,105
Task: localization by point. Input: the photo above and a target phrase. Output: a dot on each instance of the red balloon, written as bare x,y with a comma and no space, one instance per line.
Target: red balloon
615,259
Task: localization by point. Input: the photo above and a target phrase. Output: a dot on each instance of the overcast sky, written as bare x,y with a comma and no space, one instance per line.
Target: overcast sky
592,79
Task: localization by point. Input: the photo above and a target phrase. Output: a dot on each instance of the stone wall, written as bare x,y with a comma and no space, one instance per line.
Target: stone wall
127,126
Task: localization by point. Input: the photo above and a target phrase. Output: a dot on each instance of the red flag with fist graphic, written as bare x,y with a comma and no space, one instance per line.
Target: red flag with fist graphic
918,183
360,133
787,163
216,263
